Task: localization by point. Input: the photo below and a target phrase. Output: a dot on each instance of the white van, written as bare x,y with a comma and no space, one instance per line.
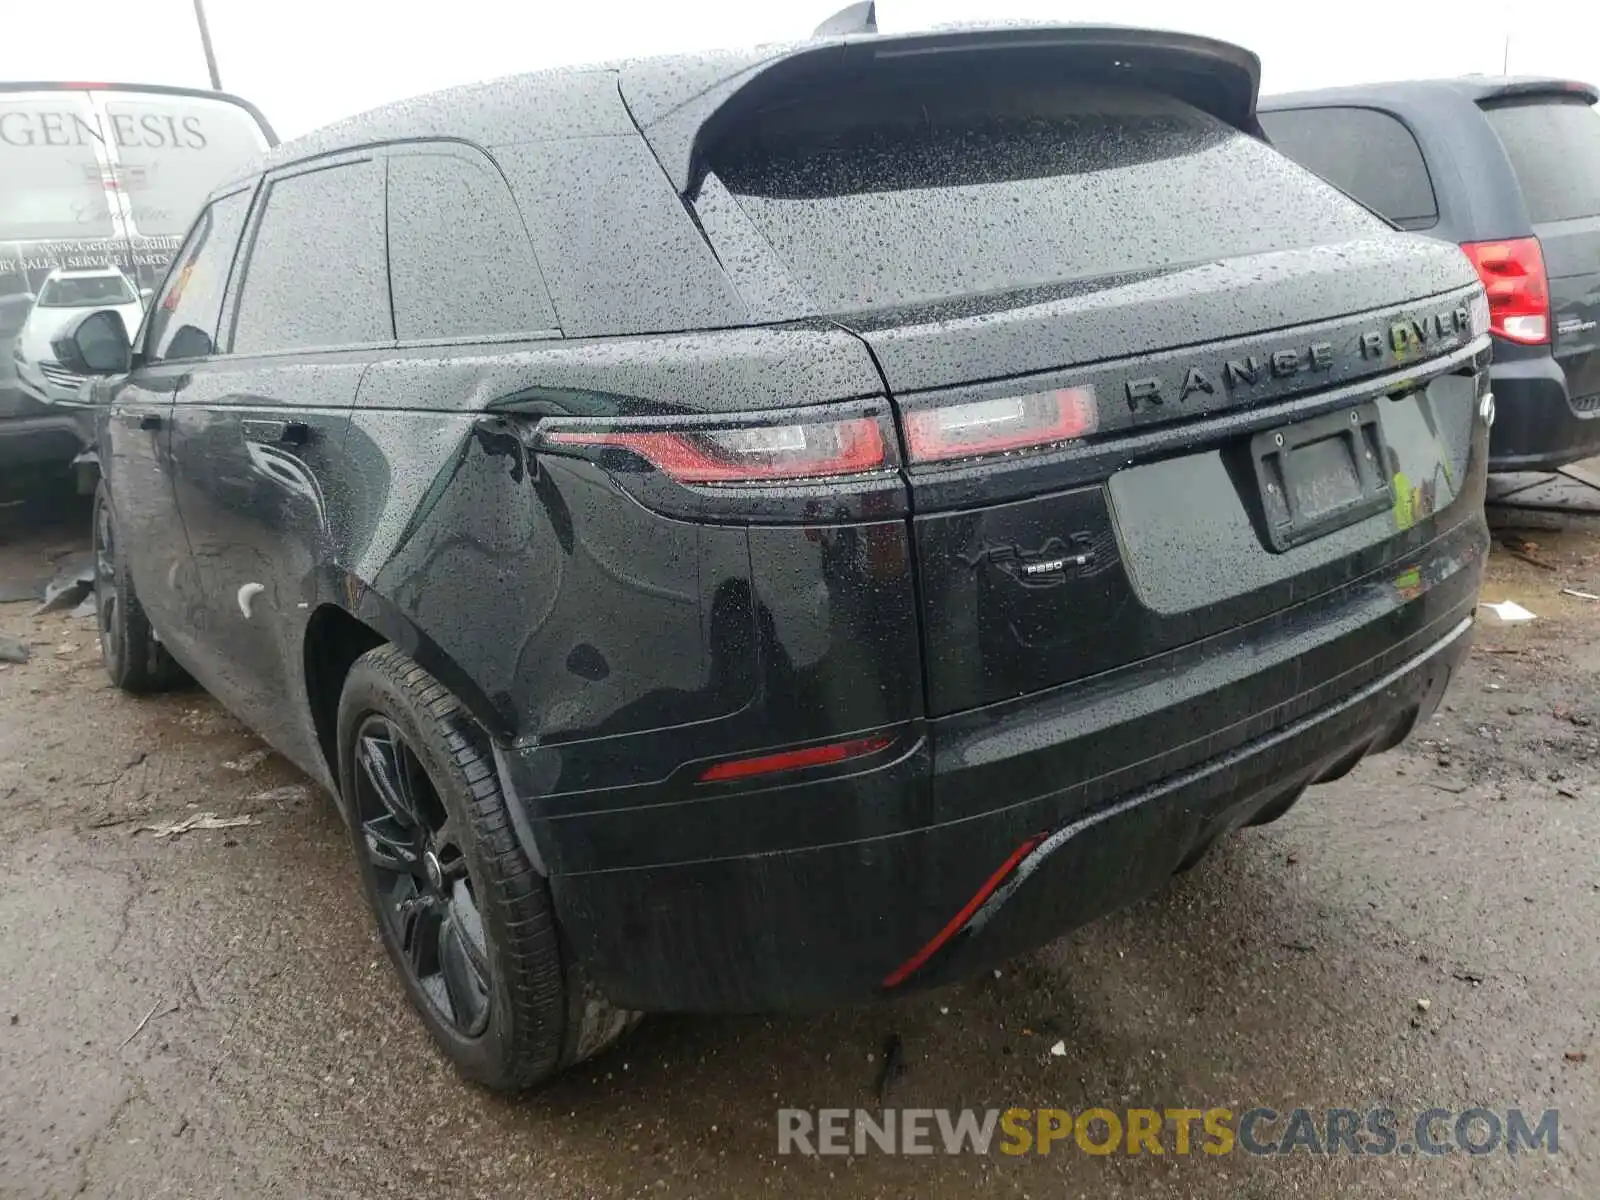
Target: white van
98,178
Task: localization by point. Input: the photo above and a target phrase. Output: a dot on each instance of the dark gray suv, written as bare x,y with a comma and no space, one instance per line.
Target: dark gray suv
1509,169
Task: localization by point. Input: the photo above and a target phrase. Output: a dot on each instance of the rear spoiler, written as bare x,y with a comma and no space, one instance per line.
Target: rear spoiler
679,118
1528,88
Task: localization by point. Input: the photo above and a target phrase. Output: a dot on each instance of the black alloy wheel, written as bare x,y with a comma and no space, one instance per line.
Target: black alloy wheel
425,894
466,917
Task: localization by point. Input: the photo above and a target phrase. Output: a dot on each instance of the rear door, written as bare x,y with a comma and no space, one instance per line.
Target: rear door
1553,142
1089,303
258,434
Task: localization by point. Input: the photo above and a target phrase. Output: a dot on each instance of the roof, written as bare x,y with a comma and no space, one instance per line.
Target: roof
1472,88
672,100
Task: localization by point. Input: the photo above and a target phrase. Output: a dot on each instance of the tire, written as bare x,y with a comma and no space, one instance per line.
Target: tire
134,658
465,917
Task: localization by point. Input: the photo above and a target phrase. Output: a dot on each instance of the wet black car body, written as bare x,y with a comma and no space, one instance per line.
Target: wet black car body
1510,169
880,505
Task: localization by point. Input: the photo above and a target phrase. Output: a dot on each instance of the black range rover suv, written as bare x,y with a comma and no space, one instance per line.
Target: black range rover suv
759,531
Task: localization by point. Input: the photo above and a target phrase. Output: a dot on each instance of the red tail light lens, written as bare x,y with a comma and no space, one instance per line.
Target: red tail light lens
995,426
1514,277
794,760
749,454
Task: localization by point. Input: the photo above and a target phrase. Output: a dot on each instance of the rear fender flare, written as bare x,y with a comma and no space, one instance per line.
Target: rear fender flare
380,614
375,610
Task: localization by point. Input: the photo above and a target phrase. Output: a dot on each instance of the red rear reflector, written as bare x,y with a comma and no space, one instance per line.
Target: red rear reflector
793,760
956,923
750,454
995,426
1514,278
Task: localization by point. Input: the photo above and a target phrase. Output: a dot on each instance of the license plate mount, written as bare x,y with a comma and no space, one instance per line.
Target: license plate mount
1320,475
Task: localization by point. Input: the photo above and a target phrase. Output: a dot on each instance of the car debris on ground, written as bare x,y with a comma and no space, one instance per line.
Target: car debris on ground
194,821
72,588
246,763
1509,611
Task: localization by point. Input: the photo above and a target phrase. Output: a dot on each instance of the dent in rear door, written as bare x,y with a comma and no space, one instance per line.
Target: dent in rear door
258,447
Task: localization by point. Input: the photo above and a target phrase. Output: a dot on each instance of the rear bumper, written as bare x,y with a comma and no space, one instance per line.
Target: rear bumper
1537,426
822,891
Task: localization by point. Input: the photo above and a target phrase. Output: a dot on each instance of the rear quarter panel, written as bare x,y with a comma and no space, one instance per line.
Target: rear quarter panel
564,608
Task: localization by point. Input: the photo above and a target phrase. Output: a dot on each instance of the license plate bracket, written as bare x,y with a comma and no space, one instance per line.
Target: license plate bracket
1319,475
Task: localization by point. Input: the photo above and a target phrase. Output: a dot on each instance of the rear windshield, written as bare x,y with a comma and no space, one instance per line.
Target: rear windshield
86,292
1554,147
1366,153
884,200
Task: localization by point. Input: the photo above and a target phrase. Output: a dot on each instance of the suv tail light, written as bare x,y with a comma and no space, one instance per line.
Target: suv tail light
1514,277
746,453
995,426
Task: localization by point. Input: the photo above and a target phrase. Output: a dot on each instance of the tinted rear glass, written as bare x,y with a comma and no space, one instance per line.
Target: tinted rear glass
459,260
1554,147
883,200
1366,153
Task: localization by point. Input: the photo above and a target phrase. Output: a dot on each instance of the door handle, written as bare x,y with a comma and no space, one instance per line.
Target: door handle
293,433
149,420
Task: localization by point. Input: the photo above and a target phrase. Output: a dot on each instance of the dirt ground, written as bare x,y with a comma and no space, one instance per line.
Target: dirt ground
210,1014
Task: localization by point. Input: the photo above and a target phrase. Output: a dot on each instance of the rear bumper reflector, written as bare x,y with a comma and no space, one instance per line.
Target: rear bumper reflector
956,923
794,760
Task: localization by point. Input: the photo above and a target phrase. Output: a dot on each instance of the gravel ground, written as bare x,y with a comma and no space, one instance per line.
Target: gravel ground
279,1057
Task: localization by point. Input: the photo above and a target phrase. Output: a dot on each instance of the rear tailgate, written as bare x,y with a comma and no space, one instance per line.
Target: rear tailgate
1090,302
1553,142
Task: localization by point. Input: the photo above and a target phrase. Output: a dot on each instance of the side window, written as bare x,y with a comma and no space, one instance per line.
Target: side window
1364,153
317,271
460,262
183,320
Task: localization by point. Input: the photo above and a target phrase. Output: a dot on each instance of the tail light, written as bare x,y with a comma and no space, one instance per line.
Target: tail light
746,453
995,426
1514,277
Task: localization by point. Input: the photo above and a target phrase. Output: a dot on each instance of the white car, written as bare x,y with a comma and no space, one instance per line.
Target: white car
64,296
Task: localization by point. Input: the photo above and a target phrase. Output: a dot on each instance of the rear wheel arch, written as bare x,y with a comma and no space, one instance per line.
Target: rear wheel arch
335,637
